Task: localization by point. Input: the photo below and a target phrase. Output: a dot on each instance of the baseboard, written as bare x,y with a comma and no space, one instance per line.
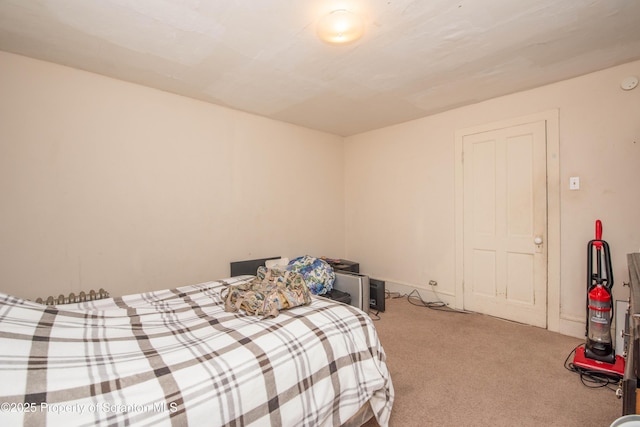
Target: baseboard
571,327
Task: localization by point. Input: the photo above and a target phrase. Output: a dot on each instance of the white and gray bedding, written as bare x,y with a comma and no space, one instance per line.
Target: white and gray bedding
175,357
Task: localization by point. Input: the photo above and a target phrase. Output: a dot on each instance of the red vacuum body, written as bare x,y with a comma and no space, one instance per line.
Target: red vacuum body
598,353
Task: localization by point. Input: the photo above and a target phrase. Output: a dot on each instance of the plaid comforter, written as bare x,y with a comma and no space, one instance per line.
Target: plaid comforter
174,357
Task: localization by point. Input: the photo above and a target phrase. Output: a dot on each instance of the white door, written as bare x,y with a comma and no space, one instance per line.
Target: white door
504,220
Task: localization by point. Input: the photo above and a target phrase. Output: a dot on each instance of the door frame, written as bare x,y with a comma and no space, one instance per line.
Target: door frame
551,119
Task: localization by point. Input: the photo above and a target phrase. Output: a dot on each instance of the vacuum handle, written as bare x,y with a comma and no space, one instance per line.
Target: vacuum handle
598,241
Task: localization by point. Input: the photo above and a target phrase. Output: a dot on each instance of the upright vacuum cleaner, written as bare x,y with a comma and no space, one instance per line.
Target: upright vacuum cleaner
598,353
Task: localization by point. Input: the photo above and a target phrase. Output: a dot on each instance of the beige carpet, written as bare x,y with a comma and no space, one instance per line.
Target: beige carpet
452,369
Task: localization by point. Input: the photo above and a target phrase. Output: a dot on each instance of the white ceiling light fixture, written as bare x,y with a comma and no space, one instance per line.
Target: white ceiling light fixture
340,26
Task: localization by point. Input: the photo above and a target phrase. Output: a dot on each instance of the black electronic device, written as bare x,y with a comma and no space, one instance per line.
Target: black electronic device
377,294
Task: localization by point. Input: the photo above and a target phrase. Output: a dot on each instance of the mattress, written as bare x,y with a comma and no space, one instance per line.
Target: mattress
175,357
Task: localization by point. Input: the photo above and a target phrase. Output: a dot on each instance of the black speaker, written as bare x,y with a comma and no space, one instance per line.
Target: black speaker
376,294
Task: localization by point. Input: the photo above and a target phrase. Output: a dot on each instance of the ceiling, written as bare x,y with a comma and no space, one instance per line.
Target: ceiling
416,58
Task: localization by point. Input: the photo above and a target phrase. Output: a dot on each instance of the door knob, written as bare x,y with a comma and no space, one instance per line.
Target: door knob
537,240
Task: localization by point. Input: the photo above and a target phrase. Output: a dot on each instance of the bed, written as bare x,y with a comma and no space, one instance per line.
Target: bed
175,357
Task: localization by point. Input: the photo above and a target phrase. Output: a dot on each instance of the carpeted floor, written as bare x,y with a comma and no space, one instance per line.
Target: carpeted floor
451,369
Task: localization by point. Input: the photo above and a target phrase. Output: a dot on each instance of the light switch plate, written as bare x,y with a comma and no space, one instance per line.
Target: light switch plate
574,183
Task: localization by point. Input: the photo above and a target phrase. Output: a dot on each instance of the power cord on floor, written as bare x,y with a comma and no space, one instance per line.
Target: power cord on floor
415,298
374,316
433,305
591,378
393,295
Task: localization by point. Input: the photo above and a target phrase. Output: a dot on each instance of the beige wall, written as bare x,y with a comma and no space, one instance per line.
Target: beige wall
110,184
400,187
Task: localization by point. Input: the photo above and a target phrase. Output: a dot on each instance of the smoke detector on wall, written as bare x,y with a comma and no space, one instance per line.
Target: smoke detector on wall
629,83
